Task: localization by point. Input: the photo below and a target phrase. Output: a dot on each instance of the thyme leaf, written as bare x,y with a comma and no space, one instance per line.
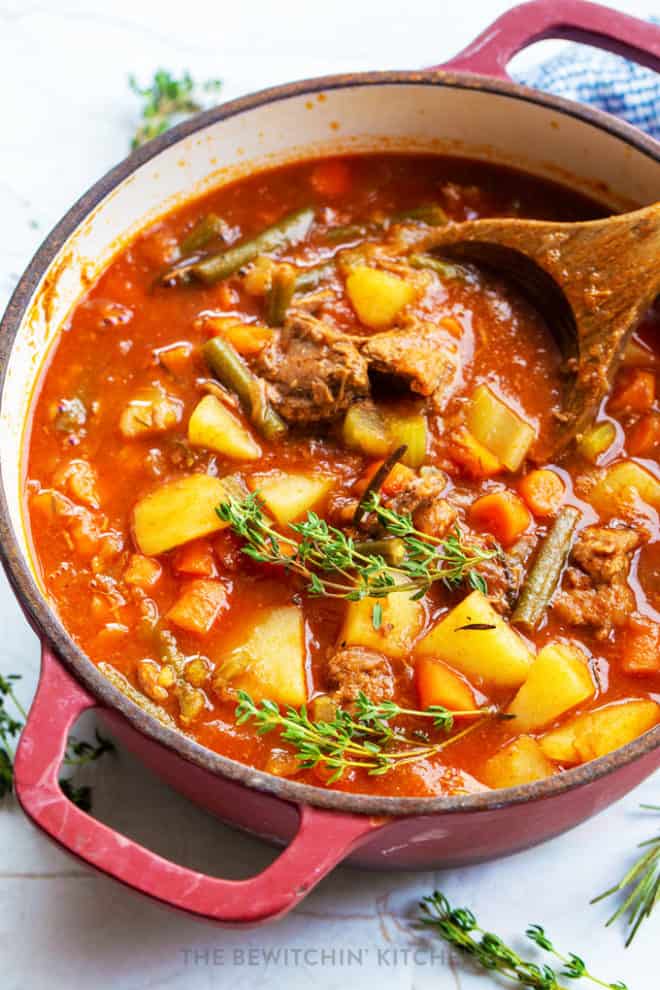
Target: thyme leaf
78,751
363,738
460,928
333,565
166,100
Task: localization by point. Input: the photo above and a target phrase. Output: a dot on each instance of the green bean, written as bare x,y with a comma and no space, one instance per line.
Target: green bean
280,294
206,230
311,278
229,368
346,232
543,577
391,548
216,267
429,213
442,268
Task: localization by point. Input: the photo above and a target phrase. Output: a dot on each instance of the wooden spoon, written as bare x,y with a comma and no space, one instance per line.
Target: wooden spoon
591,281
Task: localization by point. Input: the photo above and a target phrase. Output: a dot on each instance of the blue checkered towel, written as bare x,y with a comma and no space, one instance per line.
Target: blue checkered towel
606,81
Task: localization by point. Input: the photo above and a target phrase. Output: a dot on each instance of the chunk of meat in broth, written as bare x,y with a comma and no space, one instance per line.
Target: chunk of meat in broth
354,670
314,372
420,355
596,594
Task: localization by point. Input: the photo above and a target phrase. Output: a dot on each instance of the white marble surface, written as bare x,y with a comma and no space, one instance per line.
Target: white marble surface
68,116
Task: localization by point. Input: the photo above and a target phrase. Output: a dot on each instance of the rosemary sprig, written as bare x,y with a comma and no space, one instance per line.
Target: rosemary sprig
166,100
459,927
363,739
321,550
78,751
640,886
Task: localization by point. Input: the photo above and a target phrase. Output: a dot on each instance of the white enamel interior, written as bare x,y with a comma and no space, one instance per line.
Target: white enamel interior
402,116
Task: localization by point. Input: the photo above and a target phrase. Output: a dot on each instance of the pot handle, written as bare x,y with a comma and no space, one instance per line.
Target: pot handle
323,838
572,20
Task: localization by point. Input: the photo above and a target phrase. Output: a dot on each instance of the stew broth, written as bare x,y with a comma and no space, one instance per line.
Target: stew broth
434,353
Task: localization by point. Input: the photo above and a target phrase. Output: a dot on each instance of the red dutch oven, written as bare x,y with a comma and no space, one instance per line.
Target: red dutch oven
467,106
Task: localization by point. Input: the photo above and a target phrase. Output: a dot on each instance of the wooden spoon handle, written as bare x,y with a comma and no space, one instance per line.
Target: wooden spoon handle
592,281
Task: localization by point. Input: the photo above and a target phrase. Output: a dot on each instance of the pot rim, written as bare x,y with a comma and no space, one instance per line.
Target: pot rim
48,625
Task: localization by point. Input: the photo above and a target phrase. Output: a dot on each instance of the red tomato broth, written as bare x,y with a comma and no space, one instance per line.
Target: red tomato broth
106,353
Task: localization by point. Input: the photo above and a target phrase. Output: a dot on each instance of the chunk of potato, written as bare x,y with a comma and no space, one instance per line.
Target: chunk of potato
364,429
519,762
438,684
177,512
501,430
150,411
289,496
377,432
409,428
377,297
213,426
622,483
477,641
401,622
596,733
271,662
558,680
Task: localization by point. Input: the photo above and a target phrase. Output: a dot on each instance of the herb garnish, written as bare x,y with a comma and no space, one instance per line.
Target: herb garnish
323,550
78,752
360,739
167,100
641,885
459,927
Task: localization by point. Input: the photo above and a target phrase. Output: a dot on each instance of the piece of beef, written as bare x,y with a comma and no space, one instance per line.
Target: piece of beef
420,354
314,372
604,553
420,493
436,518
596,593
602,607
354,669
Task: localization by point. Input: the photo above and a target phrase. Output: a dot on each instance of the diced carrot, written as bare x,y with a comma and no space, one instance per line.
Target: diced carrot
176,357
644,436
196,558
641,647
634,391
332,178
246,338
503,514
475,459
543,491
198,606
141,571
438,684
396,482
451,324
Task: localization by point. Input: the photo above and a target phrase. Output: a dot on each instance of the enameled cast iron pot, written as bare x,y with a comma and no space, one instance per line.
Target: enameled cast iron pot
469,107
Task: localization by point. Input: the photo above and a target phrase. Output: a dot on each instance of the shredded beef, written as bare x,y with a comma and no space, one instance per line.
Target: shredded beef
604,553
419,354
314,372
354,669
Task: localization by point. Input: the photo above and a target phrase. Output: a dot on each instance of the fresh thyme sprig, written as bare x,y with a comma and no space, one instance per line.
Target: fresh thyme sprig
459,927
640,886
320,550
167,100
10,727
78,751
363,739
